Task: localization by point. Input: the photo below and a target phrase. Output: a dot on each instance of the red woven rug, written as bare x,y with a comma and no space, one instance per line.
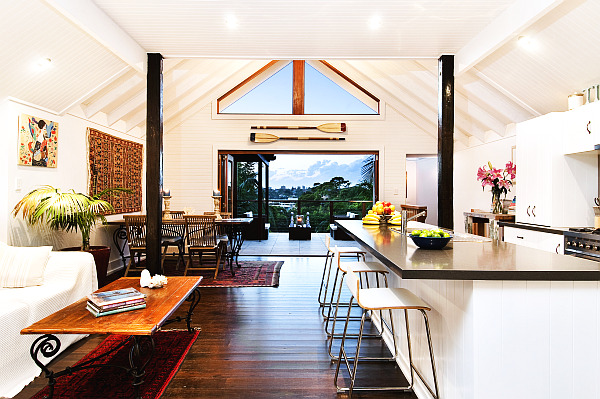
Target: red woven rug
111,382
249,274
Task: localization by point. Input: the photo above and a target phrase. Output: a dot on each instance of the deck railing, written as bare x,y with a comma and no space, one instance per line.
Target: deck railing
321,213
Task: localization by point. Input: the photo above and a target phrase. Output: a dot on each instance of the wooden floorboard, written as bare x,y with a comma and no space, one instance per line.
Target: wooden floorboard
259,342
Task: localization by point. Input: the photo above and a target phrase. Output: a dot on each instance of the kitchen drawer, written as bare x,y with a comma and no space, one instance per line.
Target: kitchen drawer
535,239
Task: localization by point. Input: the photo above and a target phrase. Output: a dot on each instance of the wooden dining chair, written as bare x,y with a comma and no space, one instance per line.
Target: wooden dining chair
201,237
135,227
173,235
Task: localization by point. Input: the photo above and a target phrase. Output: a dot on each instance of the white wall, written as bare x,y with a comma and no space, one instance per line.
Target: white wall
411,180
71,172
468,193
427,187
190,151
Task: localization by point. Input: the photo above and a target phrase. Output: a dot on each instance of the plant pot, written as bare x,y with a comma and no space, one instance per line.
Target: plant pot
101,256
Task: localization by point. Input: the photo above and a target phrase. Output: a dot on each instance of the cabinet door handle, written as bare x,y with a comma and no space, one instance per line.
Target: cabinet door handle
520,237
528,210
587,127
533,211
558,246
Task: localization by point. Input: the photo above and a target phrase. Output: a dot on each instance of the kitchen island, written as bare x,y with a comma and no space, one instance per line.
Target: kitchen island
507,321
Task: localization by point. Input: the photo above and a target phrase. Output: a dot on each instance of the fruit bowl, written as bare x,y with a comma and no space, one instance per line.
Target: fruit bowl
430,242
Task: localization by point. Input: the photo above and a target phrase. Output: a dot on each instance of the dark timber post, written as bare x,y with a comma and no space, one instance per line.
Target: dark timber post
154,161
446,141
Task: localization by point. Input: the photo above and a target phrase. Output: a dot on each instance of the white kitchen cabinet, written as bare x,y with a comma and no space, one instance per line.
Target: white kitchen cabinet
582,128
535,239
555,189
538,159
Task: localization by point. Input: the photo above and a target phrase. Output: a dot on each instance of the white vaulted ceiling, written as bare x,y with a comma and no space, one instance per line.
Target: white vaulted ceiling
98,49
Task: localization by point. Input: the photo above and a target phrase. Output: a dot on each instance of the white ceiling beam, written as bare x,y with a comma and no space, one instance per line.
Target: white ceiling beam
414,114
189,104
426,108
117,94
95,90
86,15
507,93
515,19
465,107
128,107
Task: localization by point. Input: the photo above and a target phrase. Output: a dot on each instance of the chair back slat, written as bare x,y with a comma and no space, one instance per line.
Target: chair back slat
135,226
176,229
201,230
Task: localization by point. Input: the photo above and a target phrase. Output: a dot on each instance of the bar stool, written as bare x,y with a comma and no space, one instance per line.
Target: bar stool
383,299
348,251
362,269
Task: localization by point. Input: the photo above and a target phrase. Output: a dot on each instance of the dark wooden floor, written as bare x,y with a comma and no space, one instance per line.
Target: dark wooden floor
259,342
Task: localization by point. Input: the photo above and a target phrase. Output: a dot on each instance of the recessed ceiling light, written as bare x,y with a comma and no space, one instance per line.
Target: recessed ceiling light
375,22
44,63
231,21
526,42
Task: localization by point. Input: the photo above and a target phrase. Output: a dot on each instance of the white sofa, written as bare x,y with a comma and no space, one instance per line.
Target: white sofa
68,277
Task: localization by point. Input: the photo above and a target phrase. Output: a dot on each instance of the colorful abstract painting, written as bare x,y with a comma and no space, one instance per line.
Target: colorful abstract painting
114,162
38,141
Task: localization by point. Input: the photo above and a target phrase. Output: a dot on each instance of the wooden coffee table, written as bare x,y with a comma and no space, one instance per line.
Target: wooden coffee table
139,324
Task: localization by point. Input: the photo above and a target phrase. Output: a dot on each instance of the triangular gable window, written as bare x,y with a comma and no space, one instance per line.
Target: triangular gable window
298,88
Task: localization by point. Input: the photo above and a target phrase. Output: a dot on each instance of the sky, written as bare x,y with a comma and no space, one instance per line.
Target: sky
292,170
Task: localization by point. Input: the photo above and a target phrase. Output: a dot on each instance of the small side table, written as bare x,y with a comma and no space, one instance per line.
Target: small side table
299,233
485,224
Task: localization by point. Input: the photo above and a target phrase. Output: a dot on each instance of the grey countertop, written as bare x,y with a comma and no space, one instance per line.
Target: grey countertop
467,259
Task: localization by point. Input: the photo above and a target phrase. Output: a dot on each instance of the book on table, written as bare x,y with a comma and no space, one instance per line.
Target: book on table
116,301
97,313
107,298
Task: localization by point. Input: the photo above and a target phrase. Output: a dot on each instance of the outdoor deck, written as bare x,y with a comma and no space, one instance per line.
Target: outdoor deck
279,244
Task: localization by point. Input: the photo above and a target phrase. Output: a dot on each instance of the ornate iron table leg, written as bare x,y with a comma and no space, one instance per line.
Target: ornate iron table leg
236,243
47,345
120,240
194,299
139,356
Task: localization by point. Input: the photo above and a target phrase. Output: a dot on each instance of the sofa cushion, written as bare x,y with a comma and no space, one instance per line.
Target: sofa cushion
22,266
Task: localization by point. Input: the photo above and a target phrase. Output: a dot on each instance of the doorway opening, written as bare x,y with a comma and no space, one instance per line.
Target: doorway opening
319,185
422,183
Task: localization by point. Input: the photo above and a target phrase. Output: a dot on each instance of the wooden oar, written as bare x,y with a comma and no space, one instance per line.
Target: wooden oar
269,138
325,127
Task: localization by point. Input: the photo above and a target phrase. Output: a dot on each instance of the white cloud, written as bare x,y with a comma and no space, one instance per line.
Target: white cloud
305,170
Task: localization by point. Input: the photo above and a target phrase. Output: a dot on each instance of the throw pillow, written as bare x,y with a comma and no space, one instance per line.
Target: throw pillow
22,266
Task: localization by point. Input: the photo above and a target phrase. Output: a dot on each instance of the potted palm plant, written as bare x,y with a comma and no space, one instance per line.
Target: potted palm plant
70,211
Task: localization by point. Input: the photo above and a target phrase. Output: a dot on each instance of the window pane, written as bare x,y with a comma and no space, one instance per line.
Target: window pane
323,96
273,96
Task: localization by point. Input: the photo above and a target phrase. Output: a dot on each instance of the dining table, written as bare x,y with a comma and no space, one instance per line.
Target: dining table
234,228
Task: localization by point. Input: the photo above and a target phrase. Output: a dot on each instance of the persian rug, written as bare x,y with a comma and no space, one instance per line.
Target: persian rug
114,162
112,382
249,274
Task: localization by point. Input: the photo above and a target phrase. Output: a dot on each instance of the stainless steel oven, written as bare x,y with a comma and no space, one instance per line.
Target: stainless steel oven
583,243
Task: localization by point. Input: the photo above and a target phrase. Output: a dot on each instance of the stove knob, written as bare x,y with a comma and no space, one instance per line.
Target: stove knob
580,245
588,247
596,248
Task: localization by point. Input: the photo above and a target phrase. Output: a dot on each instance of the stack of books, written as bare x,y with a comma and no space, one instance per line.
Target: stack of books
116,301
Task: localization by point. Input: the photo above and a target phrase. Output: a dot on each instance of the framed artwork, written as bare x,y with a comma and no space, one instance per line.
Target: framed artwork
115,162
38,141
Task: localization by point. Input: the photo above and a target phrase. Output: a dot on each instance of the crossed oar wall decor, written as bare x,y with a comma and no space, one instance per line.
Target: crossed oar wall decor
326,128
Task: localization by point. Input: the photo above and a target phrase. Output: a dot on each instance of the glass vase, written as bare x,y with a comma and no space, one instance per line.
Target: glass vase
496,203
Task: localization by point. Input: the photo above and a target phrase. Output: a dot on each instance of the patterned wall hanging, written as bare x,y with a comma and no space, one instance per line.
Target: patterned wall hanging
114,162
38,141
